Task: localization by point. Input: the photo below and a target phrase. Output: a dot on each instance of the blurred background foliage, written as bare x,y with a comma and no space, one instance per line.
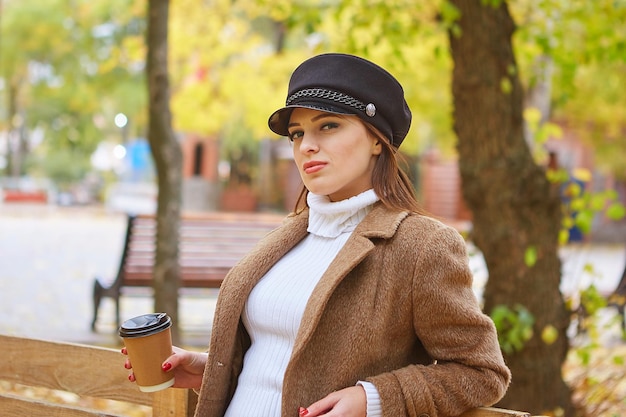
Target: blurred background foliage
67,67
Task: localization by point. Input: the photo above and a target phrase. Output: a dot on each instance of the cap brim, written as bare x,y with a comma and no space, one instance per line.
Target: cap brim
279,120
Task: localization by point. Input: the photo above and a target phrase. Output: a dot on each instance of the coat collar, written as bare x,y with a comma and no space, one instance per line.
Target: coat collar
381,222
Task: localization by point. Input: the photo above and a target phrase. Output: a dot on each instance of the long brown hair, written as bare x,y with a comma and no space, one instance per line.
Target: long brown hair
390,182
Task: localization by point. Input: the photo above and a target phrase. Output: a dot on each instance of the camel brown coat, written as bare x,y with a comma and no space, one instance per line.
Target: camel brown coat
395,308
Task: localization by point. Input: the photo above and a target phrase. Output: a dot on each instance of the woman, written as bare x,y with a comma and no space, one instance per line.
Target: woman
359,304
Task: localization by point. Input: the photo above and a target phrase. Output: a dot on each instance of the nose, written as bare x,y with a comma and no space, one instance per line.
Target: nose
308,144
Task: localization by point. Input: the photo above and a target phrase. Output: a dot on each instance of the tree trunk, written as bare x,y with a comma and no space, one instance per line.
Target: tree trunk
515,209
168,162
16,140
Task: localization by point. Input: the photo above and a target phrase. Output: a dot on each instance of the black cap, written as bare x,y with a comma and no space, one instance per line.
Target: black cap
347,84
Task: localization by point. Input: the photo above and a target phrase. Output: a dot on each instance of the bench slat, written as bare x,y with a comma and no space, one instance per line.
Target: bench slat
85,370
17,406
12,406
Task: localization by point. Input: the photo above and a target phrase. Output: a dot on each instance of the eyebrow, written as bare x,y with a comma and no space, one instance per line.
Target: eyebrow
316,118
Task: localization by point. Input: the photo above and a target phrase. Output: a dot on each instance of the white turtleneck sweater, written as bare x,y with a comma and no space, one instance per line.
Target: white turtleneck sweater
274,309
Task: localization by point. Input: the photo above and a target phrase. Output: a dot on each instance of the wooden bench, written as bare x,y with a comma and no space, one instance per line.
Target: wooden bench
88,375
209,246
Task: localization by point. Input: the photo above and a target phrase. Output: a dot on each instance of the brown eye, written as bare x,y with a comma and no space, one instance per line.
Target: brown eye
295,135
328,126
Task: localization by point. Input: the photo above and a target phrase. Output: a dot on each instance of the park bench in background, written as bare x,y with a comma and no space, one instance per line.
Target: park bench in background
87,372
209,246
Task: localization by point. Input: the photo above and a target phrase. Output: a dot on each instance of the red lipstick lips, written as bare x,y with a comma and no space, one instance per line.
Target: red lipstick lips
313,166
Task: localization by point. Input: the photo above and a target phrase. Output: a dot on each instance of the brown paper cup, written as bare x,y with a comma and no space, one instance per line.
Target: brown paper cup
148,342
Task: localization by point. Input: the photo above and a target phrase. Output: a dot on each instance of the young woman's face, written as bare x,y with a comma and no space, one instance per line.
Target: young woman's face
334,153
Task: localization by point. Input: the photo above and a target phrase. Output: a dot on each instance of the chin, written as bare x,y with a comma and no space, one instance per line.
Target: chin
317,189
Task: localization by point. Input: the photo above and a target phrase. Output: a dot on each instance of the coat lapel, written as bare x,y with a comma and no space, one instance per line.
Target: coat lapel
350,255
379,223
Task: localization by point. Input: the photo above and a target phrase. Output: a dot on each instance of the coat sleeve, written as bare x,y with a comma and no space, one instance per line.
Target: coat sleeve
469,370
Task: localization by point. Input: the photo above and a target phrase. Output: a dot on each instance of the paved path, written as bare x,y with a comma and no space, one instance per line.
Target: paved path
50,255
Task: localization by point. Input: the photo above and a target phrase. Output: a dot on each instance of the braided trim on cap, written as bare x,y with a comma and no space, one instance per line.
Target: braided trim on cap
327,95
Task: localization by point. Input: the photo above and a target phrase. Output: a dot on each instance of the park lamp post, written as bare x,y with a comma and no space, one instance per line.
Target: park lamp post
121,121
119,151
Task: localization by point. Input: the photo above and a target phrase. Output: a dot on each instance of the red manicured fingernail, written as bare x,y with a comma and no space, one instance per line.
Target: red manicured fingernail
130,378
303,411
167,366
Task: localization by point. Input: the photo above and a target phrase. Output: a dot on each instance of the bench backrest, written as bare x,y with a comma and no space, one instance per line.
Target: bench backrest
89,371
209,245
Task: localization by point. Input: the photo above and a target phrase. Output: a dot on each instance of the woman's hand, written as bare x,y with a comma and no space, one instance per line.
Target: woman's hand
187,366
348,402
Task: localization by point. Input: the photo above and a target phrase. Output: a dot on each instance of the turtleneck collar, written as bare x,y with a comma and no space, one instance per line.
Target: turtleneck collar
331,219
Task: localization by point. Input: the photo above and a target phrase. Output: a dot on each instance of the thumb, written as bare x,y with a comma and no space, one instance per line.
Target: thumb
319,408
172,361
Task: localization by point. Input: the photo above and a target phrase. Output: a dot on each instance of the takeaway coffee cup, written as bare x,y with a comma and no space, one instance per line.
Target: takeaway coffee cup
148,342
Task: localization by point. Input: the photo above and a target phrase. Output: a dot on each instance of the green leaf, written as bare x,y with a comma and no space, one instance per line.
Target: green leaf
592,300
584,221
588,268
577,204
511,70
549,334
493,3
616,211
584,355
597,202
449,13
514,326
530,256
505,85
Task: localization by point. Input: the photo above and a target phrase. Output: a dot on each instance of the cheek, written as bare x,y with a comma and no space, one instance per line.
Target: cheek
348,149
356,155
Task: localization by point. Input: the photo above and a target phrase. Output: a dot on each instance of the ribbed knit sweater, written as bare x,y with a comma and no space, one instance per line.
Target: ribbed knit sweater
276,304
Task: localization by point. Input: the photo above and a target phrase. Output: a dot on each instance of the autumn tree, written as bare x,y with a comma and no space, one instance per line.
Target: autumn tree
516,210
168,160
66,77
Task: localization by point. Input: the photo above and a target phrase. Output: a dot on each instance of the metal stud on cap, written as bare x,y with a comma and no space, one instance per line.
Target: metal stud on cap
370,110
